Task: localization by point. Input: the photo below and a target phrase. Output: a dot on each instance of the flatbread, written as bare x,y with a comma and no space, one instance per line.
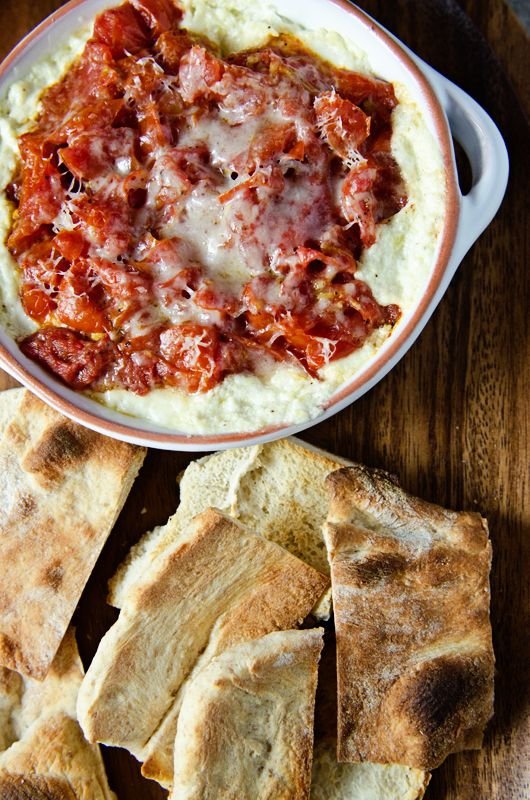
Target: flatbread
411,598
61,490
361,781
275,489
46,756
245,730
218,586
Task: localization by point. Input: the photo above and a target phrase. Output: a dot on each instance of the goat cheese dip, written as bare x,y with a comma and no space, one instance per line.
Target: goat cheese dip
349,289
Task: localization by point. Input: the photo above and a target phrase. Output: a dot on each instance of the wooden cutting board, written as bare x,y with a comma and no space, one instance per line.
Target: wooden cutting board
452,419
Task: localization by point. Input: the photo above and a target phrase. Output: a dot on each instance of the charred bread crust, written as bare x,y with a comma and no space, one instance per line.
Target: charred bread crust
411,595
61,491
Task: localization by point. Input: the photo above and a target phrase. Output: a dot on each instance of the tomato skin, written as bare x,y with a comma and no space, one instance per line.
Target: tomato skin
159,15
122,30
41,274
41,194
70,244
77,360
191,357
344,125
170,47
37,304
93,154
77,305
199,71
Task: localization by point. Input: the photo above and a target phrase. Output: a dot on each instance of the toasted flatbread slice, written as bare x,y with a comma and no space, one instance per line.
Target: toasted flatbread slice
411,598
218,586
61,490
245,729
361,781
275,489
9,401
46,755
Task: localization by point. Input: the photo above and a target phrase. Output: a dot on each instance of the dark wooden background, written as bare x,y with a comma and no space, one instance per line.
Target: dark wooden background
452,419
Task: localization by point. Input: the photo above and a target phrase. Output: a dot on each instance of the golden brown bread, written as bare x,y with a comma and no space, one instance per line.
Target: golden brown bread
61,490
19,787
274,489
55,756
218,585
46,755
410,587
245,731
351,781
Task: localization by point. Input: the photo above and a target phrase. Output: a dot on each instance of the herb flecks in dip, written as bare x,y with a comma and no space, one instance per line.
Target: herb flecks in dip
183,217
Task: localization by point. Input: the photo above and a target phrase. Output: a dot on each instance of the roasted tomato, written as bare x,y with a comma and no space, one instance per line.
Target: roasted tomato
75,358
122,29
190,357
343,124
42,270
80,301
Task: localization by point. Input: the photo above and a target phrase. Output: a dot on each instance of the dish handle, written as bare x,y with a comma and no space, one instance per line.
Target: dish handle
486,151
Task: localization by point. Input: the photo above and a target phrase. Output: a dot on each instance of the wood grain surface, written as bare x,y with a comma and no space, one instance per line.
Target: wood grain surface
452,419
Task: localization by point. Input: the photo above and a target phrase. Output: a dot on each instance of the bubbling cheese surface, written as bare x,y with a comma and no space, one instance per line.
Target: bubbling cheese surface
397,267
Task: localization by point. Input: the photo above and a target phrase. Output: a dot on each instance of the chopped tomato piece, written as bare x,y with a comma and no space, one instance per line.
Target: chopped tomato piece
376,97
42,272
37,303
191,356
41,194
170,254
270,143
121,282
358,202
122,29
97,153
93,78
105,223
155,132
344,126
70,244
241,96
79,361
159,15
198,73
209,296
77,301
170,47
95,117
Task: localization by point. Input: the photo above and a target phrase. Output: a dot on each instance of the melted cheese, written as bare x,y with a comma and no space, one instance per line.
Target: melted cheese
397,267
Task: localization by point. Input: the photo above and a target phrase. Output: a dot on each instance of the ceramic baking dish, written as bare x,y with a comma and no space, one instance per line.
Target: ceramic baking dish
449,112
